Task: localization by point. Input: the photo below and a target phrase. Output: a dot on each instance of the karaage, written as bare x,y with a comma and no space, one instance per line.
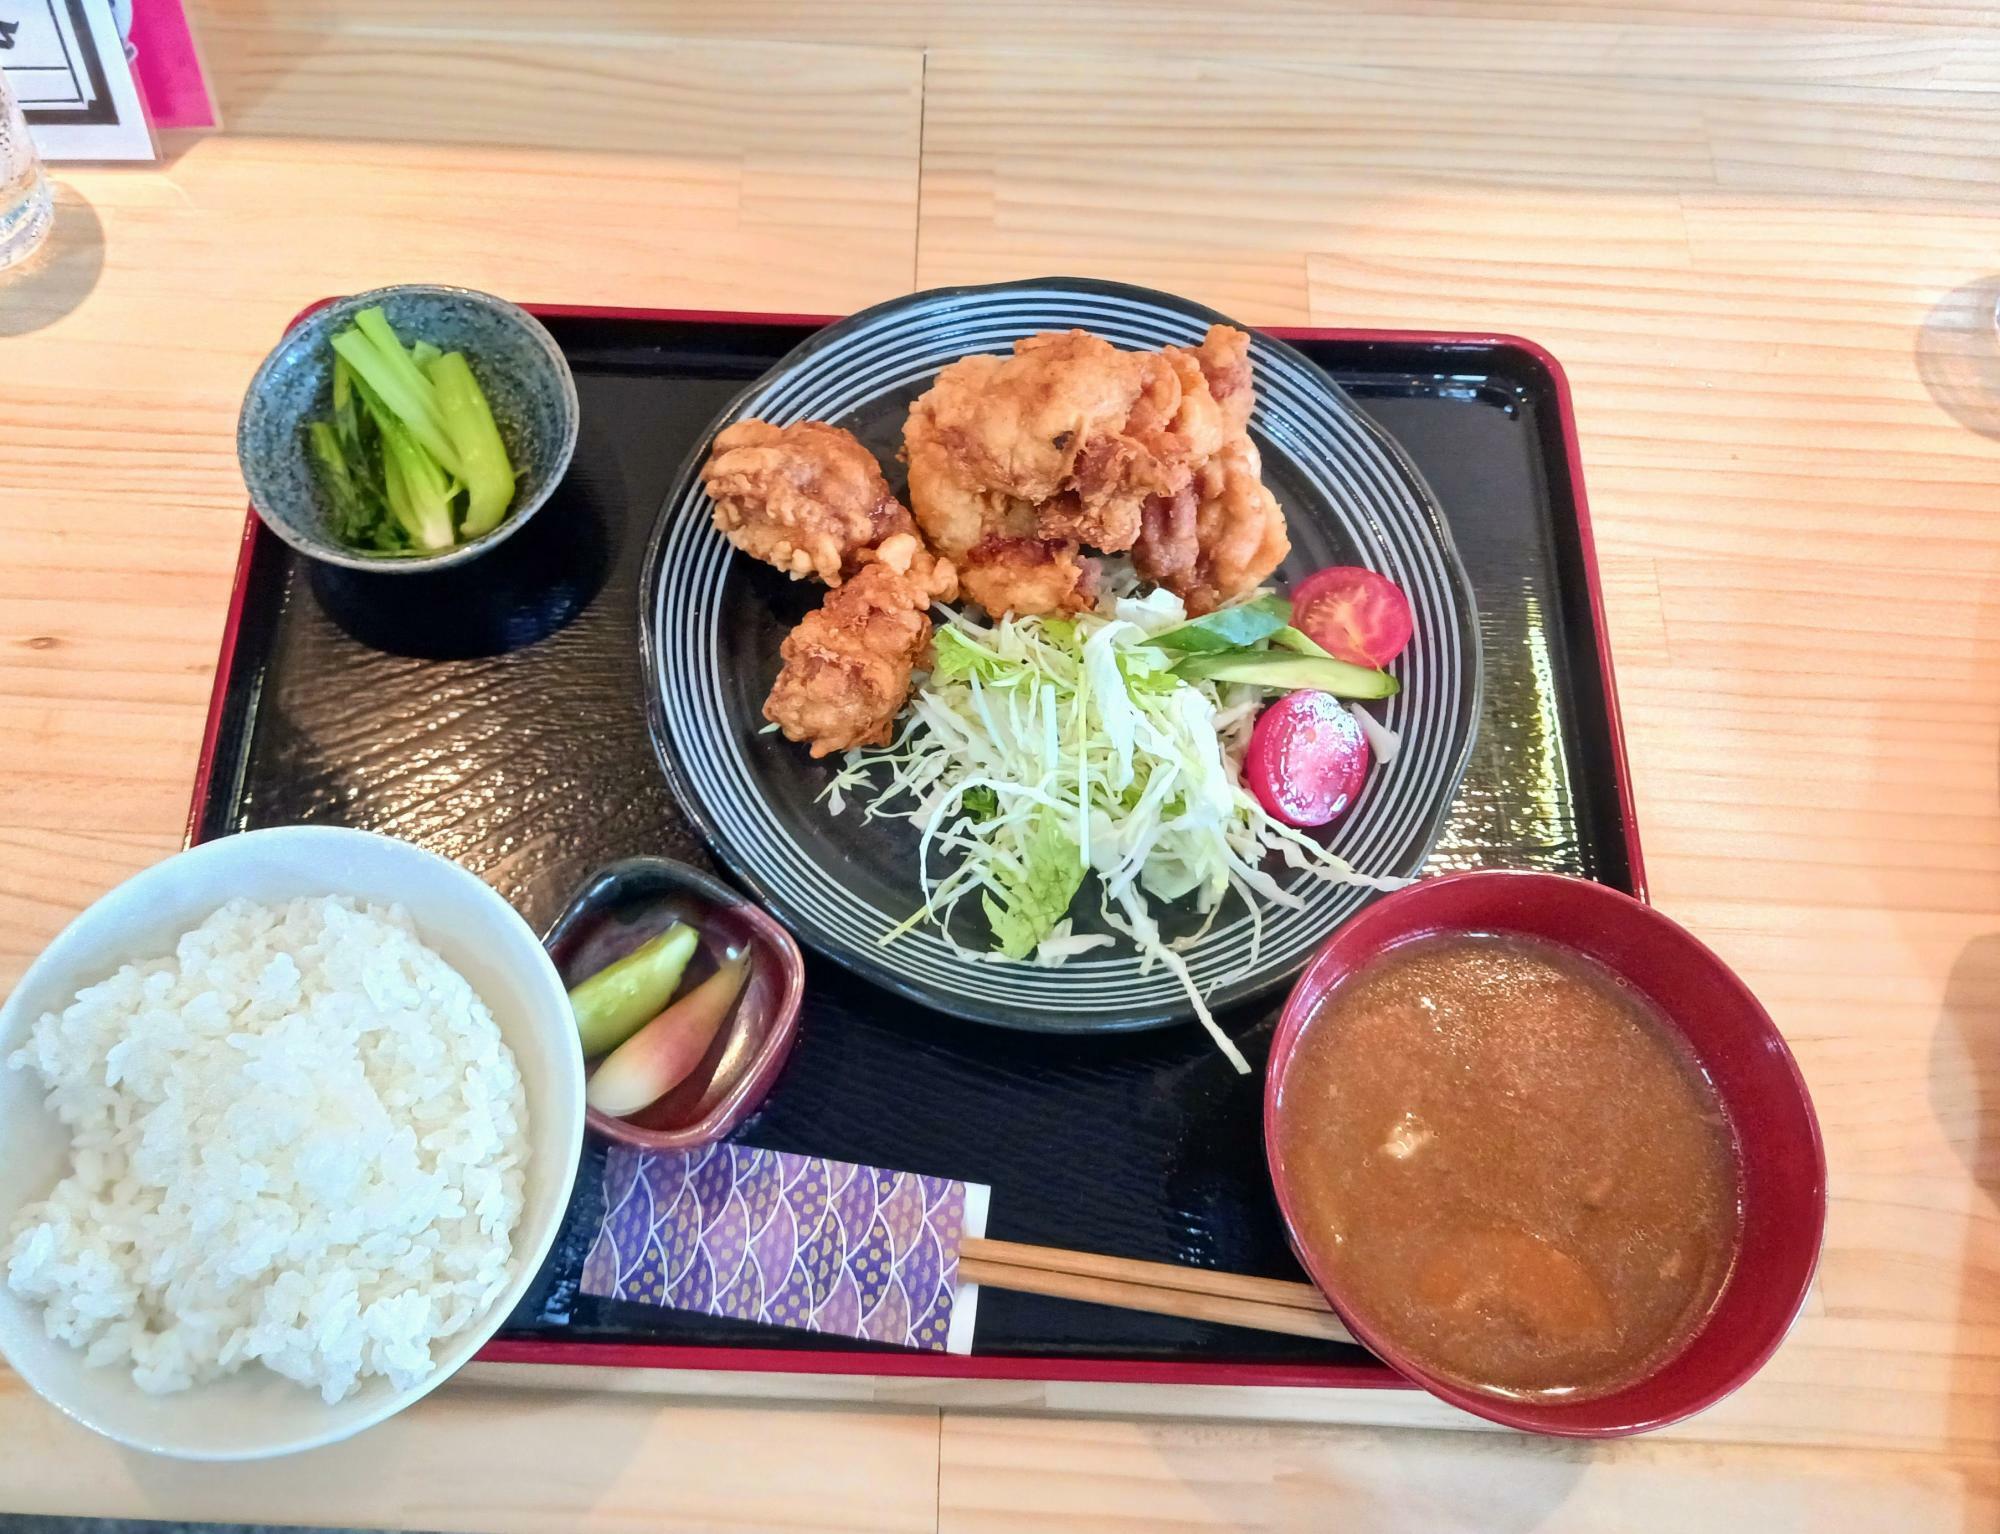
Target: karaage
1078,429
907,554
1218,540
847,666
1018,465
1003,562
807,498
1223,535
1224,359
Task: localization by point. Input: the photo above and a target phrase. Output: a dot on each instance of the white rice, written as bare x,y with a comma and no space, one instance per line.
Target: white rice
300,1140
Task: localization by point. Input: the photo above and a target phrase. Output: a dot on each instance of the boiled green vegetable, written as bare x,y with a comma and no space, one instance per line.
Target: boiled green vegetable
482,456
356,508
387,369
410,459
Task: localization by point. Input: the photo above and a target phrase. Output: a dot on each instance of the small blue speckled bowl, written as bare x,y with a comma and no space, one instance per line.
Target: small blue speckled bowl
523,373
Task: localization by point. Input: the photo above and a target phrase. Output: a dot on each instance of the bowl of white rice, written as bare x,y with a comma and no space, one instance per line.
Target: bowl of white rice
288,1123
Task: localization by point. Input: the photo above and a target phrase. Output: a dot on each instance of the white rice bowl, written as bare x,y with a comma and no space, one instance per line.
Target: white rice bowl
297,1141
279,1185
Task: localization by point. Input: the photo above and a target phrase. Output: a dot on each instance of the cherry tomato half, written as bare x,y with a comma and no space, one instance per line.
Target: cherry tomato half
1352,613
1307,759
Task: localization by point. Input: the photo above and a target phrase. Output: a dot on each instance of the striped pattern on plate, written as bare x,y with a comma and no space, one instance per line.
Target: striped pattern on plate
712,621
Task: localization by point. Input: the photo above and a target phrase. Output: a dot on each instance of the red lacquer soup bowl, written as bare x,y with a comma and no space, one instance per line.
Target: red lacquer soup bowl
1781,1162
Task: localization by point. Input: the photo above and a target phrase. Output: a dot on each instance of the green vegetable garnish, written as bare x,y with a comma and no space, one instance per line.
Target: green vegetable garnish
1028,897
410,458
1229,628
1283,670
356,513
378,360
482,456
1299,642
419,493
1043,750
979,803
1256,643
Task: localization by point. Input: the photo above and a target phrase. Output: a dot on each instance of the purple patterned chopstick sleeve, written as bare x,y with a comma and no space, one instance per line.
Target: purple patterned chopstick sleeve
799,1241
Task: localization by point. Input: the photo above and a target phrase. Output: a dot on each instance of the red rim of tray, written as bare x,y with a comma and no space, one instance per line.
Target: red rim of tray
1364,1374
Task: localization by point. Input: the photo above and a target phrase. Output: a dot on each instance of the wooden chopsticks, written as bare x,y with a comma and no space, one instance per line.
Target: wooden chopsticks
1164,1288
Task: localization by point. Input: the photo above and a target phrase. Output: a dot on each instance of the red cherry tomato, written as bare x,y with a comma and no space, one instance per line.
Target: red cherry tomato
1355,614
1307,759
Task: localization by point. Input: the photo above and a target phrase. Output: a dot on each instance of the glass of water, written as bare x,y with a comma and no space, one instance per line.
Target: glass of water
25,205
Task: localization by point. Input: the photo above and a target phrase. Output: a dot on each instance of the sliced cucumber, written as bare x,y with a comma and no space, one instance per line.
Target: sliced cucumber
1289,638
1284,672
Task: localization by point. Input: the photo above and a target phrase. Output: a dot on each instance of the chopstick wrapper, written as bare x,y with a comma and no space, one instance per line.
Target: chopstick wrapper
800,1241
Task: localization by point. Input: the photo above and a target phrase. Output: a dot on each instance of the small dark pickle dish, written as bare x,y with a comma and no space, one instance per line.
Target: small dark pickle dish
631,901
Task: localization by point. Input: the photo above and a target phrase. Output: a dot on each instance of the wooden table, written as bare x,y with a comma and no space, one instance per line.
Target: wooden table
1765,246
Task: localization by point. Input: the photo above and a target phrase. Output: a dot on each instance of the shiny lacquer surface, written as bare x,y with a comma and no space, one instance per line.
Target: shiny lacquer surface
497,715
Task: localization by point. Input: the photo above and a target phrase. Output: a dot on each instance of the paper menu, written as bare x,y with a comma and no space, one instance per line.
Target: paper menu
65,61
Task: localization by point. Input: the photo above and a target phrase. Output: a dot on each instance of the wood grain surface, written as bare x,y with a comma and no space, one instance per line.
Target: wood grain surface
1765,241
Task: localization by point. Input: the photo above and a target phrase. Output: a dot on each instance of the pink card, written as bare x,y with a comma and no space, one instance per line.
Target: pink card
167,67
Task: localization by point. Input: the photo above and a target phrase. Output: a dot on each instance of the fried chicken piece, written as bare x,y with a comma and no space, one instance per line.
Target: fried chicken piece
1076,428
1200,424
807,498
1223,536
1017,464
847,665
1188,432
1006,574
905,553
1239,531
1113,472
1003,562
1018,424
1167,552
1224,360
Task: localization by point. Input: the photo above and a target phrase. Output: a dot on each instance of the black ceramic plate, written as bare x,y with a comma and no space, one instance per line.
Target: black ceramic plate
713,619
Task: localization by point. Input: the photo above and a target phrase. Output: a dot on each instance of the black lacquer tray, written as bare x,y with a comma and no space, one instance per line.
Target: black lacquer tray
496,714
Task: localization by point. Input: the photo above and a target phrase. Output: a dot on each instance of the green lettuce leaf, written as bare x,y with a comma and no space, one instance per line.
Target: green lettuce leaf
957,657
1229,628
1032,899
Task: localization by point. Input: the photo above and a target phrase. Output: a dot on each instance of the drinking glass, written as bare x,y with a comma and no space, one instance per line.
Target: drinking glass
25,206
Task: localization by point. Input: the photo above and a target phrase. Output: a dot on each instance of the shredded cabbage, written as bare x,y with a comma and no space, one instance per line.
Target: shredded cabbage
1043,748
